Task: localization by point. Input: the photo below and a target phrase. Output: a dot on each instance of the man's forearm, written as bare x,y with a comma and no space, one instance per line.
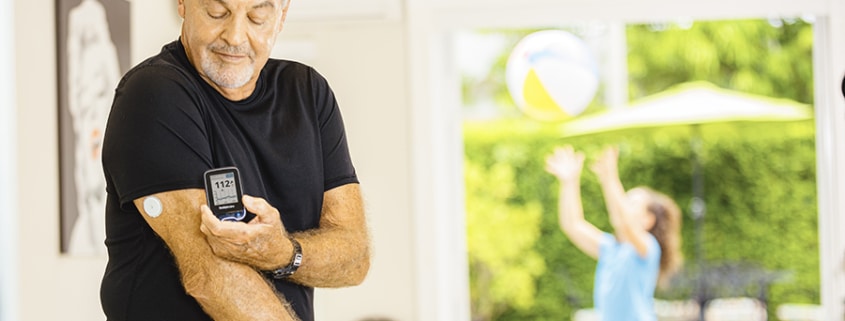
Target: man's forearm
337,253
232,291
333,257
226,290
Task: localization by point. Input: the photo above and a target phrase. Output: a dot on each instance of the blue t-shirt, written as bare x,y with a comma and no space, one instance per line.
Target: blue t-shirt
625,281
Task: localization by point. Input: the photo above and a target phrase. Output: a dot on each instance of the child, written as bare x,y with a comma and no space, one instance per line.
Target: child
643,250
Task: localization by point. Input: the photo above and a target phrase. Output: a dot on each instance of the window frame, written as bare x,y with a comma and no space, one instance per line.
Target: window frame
437,155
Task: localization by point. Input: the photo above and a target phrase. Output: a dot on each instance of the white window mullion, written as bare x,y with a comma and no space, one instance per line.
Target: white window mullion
830,154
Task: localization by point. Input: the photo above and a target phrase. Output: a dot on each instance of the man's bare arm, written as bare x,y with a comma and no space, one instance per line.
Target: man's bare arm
336,254
226,290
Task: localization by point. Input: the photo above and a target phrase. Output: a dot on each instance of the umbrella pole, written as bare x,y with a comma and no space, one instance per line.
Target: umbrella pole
698,209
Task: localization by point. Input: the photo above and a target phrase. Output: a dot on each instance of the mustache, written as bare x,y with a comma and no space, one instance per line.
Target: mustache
231,50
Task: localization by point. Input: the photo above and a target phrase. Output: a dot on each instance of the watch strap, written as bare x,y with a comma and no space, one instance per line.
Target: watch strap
290,269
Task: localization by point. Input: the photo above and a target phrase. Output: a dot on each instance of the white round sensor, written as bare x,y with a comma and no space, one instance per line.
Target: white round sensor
152,205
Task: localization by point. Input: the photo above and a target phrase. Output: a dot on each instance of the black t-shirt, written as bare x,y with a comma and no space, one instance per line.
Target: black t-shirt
167,126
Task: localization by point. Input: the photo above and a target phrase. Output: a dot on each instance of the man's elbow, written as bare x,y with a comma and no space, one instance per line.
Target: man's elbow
361,263
357,266
357,270
361,271
197,285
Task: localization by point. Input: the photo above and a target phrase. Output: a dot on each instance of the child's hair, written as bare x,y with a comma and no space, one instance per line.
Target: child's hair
667,231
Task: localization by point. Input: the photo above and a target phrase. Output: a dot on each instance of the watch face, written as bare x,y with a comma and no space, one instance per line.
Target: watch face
297,260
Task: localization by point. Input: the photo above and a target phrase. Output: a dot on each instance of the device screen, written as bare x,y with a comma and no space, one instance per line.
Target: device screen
223,190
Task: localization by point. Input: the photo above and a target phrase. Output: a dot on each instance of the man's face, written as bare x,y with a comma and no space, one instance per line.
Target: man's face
229,41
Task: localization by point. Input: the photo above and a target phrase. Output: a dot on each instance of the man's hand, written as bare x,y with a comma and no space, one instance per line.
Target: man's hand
262,243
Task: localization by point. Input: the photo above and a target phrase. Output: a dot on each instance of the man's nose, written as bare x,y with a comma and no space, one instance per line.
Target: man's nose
235,32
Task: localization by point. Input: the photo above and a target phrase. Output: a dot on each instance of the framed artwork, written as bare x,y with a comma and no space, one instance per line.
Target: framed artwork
93,43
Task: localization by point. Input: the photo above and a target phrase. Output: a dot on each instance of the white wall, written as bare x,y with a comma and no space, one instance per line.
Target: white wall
8,217
50,287
363,61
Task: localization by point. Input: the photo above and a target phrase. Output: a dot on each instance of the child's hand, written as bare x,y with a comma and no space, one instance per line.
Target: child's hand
606,166
565,163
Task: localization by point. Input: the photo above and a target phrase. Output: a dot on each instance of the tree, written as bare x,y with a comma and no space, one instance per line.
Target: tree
501,235
766,57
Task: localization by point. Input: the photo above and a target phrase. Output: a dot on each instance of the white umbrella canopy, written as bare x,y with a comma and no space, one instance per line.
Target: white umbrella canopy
690,104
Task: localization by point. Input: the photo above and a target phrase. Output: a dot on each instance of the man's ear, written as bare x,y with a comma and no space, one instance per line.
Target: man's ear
181,8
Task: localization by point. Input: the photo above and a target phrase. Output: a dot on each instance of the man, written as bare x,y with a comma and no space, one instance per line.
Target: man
213,99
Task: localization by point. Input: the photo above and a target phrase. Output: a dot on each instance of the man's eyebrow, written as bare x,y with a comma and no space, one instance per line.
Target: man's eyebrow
265,4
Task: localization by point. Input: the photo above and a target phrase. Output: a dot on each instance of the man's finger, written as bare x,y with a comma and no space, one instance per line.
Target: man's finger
210,223
266,213
212,226
256,205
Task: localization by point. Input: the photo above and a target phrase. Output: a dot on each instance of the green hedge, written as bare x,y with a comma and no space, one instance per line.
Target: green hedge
759,188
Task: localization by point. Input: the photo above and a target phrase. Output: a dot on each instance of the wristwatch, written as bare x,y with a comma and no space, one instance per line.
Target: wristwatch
295,262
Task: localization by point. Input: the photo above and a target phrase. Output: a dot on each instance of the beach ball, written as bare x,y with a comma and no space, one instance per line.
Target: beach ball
552,75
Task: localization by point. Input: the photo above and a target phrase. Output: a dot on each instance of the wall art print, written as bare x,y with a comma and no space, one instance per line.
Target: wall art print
93,53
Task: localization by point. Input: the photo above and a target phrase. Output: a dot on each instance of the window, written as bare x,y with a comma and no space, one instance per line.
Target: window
435,100
708,92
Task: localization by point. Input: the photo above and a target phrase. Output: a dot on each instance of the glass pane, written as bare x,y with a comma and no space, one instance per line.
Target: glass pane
717,115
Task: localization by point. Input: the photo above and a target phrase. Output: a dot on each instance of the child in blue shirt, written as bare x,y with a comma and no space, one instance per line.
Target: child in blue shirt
644,249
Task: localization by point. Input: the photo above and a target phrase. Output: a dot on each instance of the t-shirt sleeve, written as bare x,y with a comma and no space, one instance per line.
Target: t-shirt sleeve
155,140
607,243
337,164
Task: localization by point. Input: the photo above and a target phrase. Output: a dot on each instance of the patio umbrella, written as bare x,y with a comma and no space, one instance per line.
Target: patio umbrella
691,104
